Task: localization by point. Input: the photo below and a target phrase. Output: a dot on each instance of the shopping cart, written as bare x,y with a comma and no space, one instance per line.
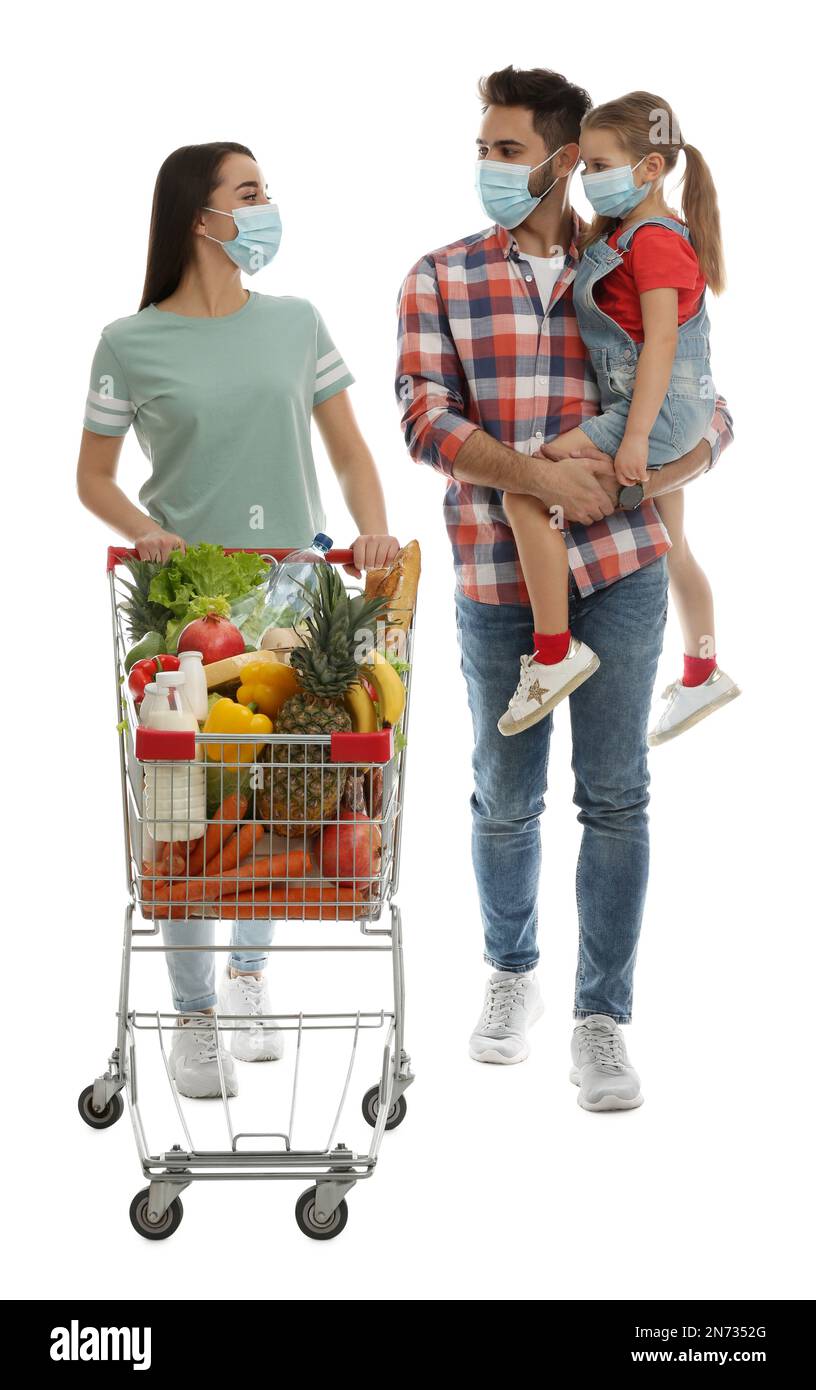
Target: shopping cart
271,847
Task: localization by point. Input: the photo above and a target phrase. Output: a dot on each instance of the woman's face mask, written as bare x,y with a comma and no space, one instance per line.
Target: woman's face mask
259,235
503,189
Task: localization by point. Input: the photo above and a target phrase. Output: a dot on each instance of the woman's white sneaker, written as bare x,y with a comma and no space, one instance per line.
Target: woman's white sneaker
541,687
512,1004
193,1060
601,1068
688,704
253,1041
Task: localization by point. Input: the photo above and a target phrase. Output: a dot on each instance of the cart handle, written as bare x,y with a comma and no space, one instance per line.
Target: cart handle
117,554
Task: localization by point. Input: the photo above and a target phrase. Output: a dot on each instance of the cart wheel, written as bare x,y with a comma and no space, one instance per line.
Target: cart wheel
154,1230
100,1119
371,1109
308,1222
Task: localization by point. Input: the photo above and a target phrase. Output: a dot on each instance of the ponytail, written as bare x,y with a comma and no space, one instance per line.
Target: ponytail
644,124
702,216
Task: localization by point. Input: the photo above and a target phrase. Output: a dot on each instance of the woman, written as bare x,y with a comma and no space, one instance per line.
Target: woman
220,384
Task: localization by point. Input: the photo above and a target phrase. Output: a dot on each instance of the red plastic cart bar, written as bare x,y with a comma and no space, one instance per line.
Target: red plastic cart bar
160,745
354,747
117,554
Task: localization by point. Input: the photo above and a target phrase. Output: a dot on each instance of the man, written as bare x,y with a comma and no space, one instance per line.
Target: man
491,367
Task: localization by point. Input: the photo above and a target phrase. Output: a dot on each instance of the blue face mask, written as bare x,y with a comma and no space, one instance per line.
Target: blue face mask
503,190
613,192
259,235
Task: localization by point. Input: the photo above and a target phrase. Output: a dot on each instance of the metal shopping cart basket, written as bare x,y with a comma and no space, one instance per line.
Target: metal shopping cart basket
269,847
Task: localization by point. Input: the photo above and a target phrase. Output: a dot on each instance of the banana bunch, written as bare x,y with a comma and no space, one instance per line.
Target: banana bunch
390,695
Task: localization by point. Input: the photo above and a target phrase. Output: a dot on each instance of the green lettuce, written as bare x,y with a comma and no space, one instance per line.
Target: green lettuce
203,579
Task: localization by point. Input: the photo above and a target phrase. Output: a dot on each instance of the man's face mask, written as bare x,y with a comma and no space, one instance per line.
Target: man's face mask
504,192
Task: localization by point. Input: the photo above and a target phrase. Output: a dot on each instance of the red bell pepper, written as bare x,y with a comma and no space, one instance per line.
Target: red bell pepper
145,671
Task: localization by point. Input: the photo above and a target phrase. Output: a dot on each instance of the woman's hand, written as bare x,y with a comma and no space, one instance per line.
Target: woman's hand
372,553
157,545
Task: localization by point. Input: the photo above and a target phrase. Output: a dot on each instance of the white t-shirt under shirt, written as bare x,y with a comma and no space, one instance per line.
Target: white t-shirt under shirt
546,270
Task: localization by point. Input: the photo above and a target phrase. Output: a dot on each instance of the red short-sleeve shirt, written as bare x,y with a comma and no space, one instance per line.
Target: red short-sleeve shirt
657,259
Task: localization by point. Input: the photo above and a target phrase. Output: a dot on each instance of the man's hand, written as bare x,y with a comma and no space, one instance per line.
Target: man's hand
584,486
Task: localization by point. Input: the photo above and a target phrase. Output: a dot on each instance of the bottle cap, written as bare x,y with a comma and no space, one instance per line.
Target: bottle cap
182,655
168,678
322,541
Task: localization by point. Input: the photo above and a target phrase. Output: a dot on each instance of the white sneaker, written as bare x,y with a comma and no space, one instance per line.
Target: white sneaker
512,1004
541,687
601,1067
251,1042
193,1060
688,704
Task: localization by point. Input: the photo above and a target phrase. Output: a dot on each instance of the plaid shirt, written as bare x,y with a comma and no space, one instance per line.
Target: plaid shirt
477,350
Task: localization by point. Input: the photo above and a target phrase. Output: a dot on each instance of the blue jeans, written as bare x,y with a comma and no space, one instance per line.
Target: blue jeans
192,973
624,623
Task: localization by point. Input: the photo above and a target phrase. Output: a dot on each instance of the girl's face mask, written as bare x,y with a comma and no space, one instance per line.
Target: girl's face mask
613,192
259,235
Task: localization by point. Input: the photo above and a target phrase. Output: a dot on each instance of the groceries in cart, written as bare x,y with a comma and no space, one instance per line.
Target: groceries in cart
254,801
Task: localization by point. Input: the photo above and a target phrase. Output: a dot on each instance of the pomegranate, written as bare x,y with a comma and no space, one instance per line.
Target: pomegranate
215,637
352,850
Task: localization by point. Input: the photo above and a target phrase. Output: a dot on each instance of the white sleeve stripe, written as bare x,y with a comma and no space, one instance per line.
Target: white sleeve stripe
116,421
329,378
110,402
324,362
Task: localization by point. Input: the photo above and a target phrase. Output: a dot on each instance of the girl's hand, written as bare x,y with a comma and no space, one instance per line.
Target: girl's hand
631,460
157,545
372,553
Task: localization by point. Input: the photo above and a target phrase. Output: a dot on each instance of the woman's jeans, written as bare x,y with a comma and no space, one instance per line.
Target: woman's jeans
192,973
624,623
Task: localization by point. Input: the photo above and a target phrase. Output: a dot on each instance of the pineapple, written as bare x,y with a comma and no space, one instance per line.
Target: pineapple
306,795
140,614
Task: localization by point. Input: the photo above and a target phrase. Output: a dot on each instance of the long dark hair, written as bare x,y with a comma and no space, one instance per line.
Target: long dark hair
185,183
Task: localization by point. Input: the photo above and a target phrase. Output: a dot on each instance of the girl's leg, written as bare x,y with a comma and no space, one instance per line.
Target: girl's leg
567,445
543,555
691,593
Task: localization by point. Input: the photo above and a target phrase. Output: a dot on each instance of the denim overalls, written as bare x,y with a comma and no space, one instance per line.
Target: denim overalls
688,408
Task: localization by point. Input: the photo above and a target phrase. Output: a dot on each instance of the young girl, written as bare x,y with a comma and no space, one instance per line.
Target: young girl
639,296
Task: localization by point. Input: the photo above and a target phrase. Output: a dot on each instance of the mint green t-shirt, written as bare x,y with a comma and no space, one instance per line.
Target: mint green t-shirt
222,410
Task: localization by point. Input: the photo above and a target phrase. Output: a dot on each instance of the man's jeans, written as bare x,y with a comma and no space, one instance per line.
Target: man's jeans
192,973
624,623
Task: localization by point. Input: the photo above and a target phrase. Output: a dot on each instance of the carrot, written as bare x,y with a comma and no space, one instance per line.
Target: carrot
308,900
234,849
287,864
224,822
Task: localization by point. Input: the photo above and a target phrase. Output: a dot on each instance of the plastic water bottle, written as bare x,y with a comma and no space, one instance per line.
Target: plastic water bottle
286,603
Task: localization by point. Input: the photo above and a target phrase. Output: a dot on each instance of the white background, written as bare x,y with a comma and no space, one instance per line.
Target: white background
497,1185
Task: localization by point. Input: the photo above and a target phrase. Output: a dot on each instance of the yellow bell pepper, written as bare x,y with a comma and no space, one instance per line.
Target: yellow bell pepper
227,717
266,684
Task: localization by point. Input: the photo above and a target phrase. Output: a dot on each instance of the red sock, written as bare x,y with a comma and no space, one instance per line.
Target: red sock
551,647
697,669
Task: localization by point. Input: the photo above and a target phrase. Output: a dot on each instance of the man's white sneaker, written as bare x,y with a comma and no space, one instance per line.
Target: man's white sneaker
541,687
193,1060
688,704
601,1067
251,1041
512,1004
